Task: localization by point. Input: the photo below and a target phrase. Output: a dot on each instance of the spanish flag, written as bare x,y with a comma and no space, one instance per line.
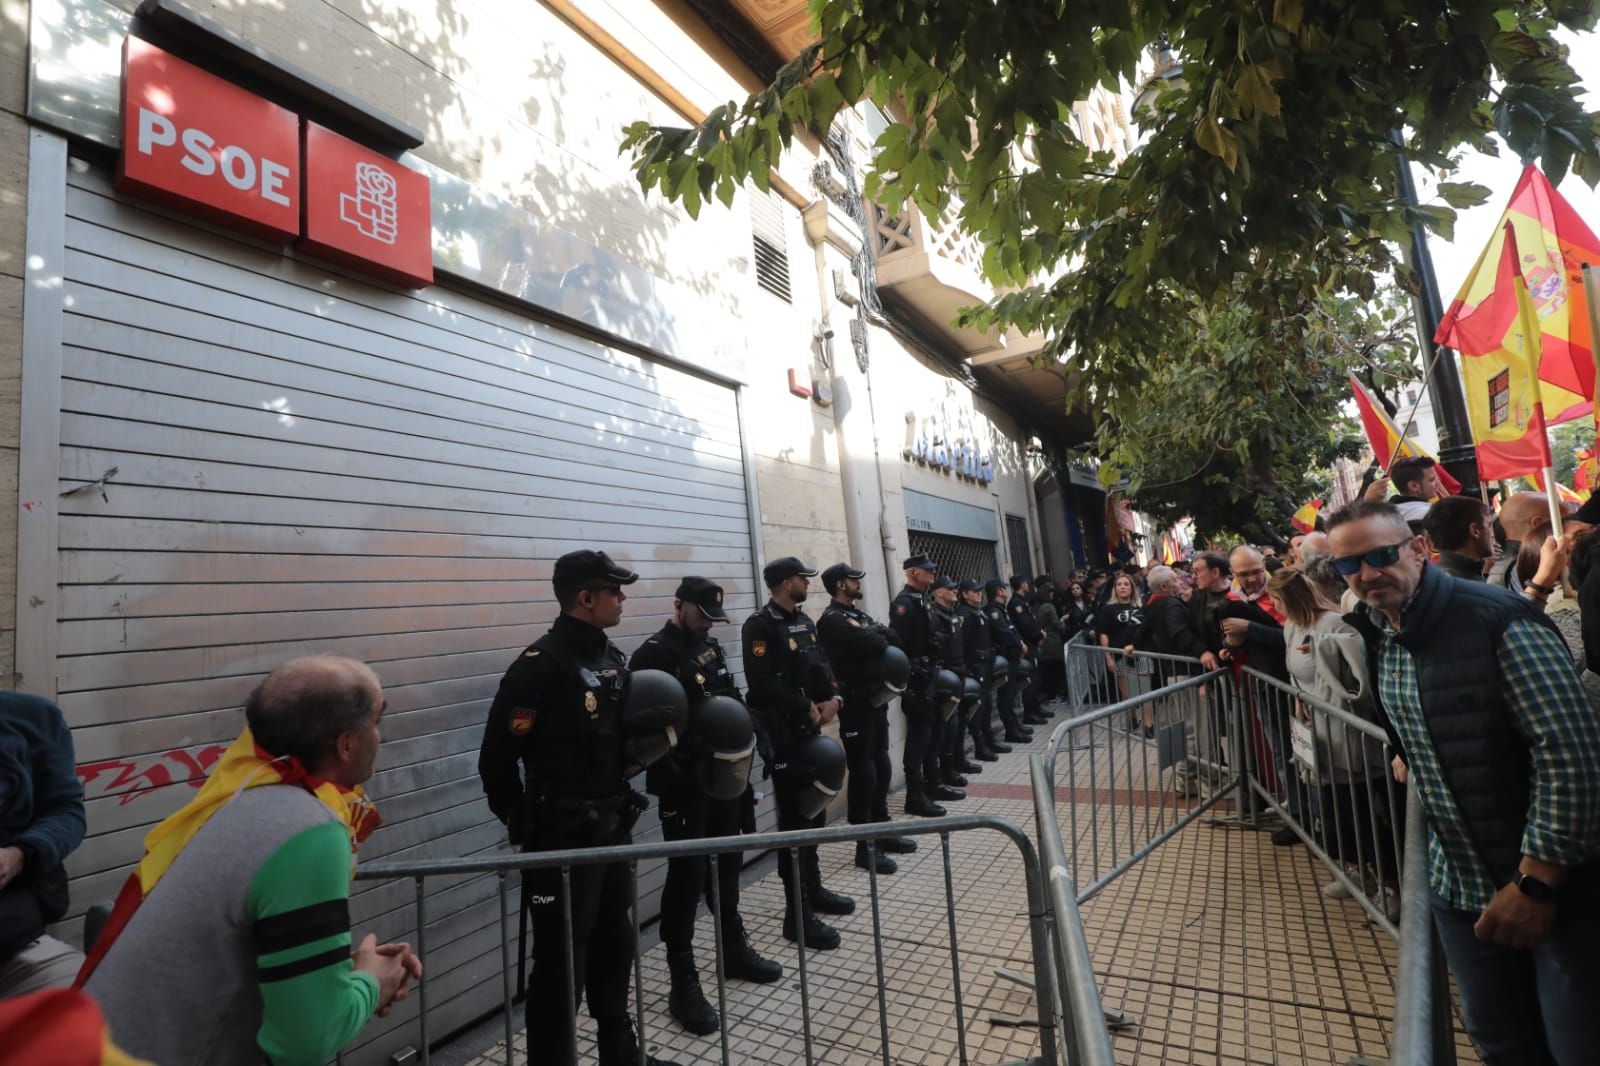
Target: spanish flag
1305,519
1499,345
1554,244
1563,493
57,1027
1384,436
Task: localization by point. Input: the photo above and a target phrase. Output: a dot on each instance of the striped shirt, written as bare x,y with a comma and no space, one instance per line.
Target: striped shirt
1549,709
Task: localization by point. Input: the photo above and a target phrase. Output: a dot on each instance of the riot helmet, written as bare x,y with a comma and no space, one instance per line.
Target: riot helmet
819,762
655,712
725,743
889,675
971,692
1001,672
1027,674
947,689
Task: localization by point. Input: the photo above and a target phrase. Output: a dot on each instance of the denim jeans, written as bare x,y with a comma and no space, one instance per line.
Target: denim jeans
1536,1007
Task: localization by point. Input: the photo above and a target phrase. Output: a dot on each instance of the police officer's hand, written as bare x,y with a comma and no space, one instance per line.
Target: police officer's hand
823,713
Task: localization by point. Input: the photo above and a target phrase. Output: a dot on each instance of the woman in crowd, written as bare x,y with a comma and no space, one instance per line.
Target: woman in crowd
1119,624
1051,652
1327,661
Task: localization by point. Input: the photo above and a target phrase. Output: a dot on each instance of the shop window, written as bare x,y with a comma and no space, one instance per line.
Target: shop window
1017,541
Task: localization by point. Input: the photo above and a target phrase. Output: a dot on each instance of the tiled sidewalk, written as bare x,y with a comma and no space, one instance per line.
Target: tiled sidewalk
1219,946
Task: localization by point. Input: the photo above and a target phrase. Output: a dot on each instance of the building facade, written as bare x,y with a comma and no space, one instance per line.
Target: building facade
234,440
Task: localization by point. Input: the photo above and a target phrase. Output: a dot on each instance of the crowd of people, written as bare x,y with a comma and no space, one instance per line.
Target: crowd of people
1468,637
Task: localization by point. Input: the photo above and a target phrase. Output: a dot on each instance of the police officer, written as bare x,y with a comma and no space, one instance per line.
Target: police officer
855,645
979,649
1019,610
912,623
950,654
559,713
793,695
1009,644
685,648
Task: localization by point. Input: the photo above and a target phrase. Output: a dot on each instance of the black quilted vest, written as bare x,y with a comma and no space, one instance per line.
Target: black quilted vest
1453,629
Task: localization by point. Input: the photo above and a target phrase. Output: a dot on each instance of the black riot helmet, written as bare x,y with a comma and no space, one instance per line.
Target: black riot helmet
655,712
819,761
1027,674
947,689
1001,673
889,675
725,743
971,692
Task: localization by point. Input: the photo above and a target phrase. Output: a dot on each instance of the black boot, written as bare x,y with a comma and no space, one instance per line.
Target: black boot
819,936
999,747
824,900
917,801
945,792
868,856
967,766
619,1048
897,845
686,1002
951,776
1032,718
741,961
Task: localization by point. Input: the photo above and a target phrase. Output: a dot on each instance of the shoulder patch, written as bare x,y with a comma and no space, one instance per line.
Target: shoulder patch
855,623
531,653
758,647
521,719
900,608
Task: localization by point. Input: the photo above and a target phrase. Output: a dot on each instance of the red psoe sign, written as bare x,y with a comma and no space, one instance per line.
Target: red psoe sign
194,141
365,210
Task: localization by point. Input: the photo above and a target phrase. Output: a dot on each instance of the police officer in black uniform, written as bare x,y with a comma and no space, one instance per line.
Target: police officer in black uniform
912,623
950,655
793,695
559,713
1009,644
855,645
1020,612
979,648
685,648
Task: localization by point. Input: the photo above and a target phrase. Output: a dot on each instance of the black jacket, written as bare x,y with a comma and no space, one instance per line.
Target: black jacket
41,813
1463,566
786,671
1168,630
1020,611
1452,630
854,644
702,669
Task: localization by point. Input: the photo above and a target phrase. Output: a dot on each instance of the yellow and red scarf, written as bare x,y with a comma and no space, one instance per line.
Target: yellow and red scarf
243,766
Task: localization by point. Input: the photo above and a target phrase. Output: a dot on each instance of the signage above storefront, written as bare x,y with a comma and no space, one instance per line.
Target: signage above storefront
933,446
202,144
365,210
196,142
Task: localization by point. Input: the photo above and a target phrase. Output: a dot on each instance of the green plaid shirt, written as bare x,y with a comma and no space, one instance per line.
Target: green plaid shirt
1549,709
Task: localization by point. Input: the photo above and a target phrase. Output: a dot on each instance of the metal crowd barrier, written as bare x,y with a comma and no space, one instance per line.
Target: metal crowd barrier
1141,769
786,843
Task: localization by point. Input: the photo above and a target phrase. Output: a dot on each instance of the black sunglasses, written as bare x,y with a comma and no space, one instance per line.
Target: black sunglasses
1347,565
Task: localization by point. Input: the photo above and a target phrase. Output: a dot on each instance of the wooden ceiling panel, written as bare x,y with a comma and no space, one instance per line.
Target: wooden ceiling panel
784,24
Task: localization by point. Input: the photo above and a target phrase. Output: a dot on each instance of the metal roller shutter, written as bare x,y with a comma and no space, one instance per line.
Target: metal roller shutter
261,458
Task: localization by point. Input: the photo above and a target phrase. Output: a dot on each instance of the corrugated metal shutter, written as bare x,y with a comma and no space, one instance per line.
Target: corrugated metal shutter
771,247
270,459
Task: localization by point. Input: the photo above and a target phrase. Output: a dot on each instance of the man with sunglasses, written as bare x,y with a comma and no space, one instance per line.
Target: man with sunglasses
1482,701
558,713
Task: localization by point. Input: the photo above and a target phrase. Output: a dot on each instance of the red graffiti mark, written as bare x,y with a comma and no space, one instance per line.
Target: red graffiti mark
143,775
29,505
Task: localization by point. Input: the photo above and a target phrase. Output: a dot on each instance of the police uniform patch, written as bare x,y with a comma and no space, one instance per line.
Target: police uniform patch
530,654
900,609
699,679
758,647
855,623
793,645
521,721
590,704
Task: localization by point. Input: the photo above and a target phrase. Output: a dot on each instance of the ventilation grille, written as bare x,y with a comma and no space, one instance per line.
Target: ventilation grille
959,557
771,250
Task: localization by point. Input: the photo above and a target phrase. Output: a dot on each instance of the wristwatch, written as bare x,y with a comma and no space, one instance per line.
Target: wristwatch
1534,888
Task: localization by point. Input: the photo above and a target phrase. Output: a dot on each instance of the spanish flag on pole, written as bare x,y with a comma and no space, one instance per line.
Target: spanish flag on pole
1384,436
1499,342
1305,519
1555,243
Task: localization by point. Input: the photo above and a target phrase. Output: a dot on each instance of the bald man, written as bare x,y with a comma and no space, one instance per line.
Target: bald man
240,951
1525,517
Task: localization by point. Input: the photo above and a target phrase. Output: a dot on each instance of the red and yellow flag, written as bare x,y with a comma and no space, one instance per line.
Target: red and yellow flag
1384,436
1555,243
1564,494
1499,346
1584,481
1305,519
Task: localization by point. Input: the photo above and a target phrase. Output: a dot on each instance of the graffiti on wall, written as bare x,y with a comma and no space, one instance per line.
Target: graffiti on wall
142,774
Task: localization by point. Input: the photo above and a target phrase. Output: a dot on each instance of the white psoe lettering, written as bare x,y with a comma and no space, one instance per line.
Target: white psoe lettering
239,167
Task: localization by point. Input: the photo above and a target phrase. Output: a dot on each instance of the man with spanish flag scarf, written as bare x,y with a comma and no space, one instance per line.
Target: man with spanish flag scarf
231,940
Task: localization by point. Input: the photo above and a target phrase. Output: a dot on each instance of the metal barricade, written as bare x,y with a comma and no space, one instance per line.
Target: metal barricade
1141,769
787,845
1424,1027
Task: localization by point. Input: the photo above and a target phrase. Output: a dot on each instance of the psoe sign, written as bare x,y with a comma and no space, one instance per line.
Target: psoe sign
932,446
196,142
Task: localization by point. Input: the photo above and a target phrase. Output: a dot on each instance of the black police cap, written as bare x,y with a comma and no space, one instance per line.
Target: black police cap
704,594
1017,581
919,562
579,570
781,570
837,573
993,583
971,584
943,582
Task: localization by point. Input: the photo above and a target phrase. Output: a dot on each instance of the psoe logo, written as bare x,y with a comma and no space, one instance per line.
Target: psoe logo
372,208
